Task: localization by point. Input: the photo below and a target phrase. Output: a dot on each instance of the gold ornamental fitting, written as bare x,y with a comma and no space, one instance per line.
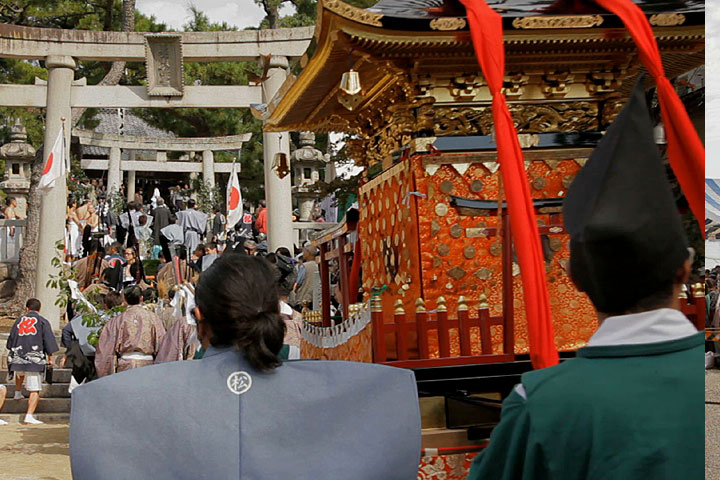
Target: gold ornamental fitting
462,304
484,301
420,306
399,307
441,307
376,304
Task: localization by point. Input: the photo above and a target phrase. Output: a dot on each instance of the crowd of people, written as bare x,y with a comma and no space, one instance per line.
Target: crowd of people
145,317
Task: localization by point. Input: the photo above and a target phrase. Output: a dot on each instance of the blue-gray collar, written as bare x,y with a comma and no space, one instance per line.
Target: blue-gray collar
217,350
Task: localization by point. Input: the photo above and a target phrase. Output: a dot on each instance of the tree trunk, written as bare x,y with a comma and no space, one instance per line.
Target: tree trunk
29,251
115,73
271,11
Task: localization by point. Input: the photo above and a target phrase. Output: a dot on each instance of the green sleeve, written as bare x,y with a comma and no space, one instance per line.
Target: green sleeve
512,453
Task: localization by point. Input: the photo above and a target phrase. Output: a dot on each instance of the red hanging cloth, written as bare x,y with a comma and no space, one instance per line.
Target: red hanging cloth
685,150
487,36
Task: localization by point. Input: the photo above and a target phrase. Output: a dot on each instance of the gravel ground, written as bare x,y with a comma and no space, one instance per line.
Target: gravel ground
35,452
712,425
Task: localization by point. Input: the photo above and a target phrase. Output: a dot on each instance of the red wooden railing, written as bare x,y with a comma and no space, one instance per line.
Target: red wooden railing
440,321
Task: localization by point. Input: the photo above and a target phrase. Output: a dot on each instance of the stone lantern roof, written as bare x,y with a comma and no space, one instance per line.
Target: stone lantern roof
307,153
18,148
18,156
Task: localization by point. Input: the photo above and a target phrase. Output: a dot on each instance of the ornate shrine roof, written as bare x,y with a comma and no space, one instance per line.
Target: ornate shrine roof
400,48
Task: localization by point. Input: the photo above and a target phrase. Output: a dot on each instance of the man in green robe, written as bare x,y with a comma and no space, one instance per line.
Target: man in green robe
630,406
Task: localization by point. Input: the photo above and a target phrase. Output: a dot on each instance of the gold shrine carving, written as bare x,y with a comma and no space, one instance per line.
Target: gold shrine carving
529,118
448,23
574,21
667,19
356,14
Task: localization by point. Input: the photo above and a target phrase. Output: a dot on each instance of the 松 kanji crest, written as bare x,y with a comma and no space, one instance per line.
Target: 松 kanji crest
239,382
27,326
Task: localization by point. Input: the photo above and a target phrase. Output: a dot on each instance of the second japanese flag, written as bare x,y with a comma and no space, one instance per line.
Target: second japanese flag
234,200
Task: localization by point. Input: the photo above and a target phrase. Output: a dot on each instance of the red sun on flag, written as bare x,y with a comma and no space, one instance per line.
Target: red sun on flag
234,198
48,164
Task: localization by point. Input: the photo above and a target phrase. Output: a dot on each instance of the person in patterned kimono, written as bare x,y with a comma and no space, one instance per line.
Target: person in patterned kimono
630,405
179,343
130,339
31,345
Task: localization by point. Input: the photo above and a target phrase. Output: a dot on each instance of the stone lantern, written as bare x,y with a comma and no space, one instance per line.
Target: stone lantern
19,156
307,162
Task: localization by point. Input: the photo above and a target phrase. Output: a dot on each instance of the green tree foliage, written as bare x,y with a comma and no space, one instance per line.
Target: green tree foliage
107,15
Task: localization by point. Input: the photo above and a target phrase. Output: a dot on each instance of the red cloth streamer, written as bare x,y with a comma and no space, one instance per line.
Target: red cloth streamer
685,150
487,36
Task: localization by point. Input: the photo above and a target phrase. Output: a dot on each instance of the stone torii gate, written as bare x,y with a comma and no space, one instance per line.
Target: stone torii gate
116,143
163,55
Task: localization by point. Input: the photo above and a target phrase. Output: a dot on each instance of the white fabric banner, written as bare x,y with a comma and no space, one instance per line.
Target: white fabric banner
55,167
234,200
712,254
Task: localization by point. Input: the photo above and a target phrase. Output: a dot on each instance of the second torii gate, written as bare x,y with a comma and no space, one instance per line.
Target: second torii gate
116,143
164,55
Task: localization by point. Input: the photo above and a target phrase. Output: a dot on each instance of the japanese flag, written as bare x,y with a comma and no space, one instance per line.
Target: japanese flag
234,200
55,167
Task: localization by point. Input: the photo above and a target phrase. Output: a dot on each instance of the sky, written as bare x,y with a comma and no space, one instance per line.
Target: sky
174,13
241,13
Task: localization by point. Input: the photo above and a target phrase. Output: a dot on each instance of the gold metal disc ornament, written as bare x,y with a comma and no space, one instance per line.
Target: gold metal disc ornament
496,249
456,231
484,273
456,273
469,252
476,186
446,187
539,183
441,209
443,249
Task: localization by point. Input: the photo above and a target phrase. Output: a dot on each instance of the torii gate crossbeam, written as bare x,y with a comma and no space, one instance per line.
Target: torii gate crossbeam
61,49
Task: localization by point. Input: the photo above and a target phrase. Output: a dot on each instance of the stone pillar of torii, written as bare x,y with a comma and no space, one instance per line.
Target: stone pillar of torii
163,55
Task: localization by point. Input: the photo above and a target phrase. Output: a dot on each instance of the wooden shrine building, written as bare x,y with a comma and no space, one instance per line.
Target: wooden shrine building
402,80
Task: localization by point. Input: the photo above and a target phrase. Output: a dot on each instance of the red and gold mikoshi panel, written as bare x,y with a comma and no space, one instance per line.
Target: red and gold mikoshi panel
389,237
357,348
460,255
445,467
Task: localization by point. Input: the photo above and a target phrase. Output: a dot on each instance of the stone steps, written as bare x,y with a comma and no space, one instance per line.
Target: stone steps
60,375
45,405
56,390
16,418
54,404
